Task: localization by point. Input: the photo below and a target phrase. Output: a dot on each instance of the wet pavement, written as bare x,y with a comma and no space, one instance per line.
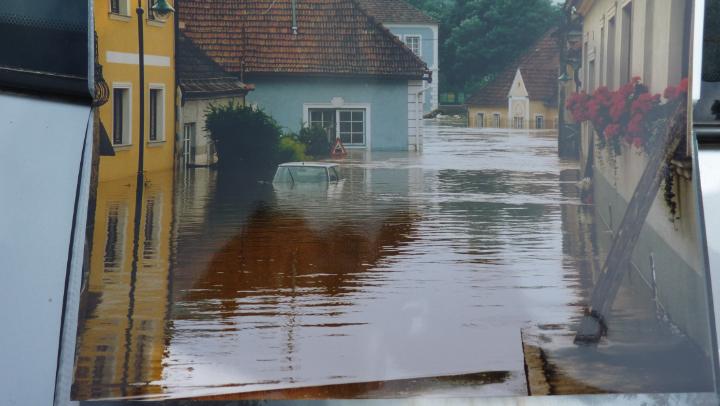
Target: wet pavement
414,266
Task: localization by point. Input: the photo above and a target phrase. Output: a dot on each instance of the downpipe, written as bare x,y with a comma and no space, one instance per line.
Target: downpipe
418,148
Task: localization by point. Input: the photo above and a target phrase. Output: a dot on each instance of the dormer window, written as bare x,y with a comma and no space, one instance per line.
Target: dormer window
413,42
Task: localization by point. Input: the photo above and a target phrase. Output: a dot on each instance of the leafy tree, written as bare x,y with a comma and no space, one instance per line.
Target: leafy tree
244,137
479,38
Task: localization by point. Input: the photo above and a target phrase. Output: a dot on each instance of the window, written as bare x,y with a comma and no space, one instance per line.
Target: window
189,143
496,120
610,59
626,45
539,122
480,120
352,126
121,116
120,7
413,42
323,117
150,12
647,49
518,122
601,81
157,114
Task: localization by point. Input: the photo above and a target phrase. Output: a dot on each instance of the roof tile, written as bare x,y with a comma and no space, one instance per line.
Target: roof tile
335,37
395,11
198,75
539,67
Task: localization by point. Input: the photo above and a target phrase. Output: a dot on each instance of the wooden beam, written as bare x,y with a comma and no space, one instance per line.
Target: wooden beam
617,263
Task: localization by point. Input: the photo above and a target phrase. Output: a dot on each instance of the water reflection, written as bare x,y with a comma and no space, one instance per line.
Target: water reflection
120,350
413,267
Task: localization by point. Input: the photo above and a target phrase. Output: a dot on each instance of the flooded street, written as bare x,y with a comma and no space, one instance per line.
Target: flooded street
414,266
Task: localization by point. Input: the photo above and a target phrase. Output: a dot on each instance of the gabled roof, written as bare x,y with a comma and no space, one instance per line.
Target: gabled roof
200,76
334,37
539,67
395,11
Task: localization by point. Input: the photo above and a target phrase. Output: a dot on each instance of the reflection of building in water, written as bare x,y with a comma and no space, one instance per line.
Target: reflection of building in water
648,39
121,334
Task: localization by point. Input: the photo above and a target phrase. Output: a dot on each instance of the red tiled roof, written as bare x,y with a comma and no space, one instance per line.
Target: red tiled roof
199,76
335,37
539,67
395,11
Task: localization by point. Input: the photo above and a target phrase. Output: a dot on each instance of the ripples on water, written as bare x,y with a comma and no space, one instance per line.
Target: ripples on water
413,266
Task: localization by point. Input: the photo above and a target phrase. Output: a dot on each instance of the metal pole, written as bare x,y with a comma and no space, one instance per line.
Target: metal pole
141,64
134,265
562,134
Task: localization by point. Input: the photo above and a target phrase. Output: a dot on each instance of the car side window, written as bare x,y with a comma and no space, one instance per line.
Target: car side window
333,175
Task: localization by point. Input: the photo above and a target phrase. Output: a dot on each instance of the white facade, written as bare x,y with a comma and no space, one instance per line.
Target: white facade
428,41
196,147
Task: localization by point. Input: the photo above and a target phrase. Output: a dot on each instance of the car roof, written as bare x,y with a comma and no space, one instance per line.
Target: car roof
311,164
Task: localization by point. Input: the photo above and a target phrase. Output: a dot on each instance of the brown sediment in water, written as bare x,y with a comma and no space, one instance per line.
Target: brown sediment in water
397,388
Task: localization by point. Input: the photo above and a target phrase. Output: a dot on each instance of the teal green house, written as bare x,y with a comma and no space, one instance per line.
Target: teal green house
324,62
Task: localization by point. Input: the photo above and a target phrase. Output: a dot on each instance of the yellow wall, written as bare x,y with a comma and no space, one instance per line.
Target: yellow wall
536,107
549,112
488,111
121,337
118,34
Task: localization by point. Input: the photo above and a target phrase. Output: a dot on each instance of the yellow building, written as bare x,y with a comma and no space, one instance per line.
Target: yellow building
117,29
524,95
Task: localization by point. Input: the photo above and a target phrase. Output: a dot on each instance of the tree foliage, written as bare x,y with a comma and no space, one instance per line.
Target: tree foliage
244,137
315,137
478,38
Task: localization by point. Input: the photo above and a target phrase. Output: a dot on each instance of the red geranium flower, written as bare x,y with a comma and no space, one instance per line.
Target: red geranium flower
612,131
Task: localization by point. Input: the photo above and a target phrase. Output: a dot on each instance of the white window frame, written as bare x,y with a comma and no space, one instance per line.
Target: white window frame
161,119
542,118
121,12
480,119
128,124
419,43
364,122
345,106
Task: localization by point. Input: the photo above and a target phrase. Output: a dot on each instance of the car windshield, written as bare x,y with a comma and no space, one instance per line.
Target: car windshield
301,174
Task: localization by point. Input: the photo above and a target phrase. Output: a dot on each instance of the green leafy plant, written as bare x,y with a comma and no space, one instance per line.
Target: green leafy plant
291,149
315,138
243,136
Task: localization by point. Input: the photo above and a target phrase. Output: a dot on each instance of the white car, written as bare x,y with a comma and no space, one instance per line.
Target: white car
306,172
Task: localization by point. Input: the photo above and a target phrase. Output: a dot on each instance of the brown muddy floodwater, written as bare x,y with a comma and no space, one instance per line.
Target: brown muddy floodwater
414,266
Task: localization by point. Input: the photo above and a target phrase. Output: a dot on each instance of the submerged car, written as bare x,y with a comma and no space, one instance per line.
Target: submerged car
306,172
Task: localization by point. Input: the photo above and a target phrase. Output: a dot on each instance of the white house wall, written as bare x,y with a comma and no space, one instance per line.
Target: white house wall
429,54
194,111
415,110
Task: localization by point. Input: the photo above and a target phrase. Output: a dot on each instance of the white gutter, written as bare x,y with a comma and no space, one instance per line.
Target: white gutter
417,116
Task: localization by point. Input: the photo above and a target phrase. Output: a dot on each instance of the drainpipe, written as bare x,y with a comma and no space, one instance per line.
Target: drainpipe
294,19
418,115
